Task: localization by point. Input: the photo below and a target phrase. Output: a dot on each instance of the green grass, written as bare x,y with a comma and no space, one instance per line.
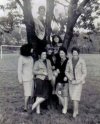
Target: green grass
11,97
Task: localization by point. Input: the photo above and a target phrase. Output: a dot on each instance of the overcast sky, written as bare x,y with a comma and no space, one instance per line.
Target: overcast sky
3,2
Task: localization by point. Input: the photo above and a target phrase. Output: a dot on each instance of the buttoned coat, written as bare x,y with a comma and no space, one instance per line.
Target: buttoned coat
80,71
40,68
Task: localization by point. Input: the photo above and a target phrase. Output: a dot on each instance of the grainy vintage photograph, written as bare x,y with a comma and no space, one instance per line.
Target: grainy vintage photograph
49,61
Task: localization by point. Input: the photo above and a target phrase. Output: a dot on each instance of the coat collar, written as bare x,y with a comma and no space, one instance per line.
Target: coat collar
42,63
79,61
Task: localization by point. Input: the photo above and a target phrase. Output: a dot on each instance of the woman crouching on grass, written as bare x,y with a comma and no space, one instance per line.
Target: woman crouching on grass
43,75
25,72
76,72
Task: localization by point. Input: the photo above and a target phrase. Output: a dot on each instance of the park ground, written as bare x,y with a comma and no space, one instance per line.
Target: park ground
12,101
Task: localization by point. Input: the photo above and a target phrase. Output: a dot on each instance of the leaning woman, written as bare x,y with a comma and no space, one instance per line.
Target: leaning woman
76,72
43,75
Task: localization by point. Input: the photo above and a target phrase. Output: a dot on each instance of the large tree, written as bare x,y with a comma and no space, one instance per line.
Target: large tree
49,17
76,10
28,19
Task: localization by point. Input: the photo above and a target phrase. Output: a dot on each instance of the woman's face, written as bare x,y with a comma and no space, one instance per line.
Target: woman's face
43,55
62,54
42,12
75,55
56,40
49,52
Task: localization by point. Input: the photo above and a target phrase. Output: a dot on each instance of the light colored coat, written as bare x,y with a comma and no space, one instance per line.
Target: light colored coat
80,71
25,69
40,68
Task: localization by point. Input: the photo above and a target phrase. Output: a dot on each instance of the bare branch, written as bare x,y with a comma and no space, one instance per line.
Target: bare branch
81,6
61,4
75,1
20,4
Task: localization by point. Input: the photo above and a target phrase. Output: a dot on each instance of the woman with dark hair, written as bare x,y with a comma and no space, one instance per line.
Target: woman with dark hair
43,76
56,43
25,72
54,46
56,40
53,55
76,72
61,80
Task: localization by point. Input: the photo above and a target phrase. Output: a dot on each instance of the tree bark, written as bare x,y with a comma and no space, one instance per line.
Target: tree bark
74,12
38,44
28,20
49,17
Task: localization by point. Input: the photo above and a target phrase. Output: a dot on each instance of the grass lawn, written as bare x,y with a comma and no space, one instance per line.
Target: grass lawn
12,101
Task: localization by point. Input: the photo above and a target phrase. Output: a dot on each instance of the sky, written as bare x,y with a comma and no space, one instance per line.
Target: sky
3,2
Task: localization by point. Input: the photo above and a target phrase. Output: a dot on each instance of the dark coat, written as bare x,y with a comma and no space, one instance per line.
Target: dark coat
61,75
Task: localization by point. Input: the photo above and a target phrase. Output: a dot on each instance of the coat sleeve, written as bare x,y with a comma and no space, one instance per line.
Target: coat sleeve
50,70
50,67
36,68
20,66
33,66
67,71
84,71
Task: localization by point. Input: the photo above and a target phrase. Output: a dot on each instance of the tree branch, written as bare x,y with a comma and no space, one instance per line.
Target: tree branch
75,1
81,6
61,4
20,4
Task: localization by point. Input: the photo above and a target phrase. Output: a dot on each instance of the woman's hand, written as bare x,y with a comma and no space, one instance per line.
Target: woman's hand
55,73
58,71
65,78
74,82
53,67
45,73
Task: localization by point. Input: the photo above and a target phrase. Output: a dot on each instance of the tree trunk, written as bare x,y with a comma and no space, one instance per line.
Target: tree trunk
29,22
69,33
72,18
49,17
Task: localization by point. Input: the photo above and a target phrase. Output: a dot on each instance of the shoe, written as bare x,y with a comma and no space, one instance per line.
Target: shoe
75,114
64,111
25,110
38,113
30,112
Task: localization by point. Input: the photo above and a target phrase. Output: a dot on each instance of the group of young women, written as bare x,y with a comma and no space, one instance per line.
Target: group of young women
66,76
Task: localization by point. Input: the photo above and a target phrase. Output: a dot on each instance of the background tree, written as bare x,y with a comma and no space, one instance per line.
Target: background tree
79,15
49,17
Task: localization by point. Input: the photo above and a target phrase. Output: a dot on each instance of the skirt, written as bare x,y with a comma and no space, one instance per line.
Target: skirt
28,88
75,91
41,88
63,90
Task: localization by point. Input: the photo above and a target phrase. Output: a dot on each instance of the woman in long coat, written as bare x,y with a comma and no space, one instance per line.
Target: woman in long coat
76,72
25,72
